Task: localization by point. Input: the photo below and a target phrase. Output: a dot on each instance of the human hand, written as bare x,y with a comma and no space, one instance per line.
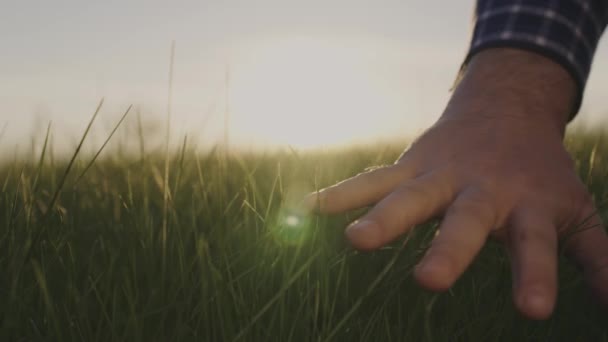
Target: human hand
493,165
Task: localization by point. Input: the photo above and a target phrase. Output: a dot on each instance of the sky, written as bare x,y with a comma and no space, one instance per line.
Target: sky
300,73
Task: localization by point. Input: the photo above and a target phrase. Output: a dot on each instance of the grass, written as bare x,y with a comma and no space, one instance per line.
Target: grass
119,248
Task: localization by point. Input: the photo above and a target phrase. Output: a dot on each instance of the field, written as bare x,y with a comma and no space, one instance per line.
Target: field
200,246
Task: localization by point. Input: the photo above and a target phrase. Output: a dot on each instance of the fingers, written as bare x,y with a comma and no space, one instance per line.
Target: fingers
462,234
411,203
589,246
533,248
359,191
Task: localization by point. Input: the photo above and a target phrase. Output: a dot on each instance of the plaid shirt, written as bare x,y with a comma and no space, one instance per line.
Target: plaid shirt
567,31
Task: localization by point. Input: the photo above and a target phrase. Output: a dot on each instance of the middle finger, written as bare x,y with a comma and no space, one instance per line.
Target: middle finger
412,203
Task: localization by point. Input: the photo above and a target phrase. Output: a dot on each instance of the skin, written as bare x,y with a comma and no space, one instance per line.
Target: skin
492,166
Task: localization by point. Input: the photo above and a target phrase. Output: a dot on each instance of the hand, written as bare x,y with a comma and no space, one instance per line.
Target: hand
492,165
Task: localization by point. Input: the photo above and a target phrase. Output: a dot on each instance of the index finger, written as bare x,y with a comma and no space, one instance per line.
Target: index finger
359,191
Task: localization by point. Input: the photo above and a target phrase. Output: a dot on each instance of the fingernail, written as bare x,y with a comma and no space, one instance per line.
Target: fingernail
363,235
428,262
365,228
422,266
435,266
538,304
359,225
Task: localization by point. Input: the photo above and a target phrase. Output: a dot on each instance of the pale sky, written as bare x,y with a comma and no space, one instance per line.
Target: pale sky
336,71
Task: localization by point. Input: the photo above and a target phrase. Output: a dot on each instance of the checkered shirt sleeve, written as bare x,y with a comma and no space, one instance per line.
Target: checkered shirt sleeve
567,31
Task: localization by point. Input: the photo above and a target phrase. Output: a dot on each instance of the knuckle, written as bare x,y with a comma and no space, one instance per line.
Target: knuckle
373,170
523,235
371,176
415,191
476,206
600,265
471,204
584,210
326,197
587,204
412,188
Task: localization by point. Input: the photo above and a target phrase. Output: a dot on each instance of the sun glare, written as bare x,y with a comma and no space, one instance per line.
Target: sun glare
305,92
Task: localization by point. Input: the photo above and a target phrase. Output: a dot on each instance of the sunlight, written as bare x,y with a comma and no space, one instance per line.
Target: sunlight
306,92
294,224
292,220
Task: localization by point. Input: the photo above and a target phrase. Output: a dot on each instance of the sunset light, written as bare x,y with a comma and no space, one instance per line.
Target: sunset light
307,92
271,170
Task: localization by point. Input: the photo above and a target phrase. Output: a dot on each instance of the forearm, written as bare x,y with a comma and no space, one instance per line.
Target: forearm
515,83
564,31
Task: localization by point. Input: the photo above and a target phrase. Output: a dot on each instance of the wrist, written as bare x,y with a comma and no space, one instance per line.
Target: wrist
515,84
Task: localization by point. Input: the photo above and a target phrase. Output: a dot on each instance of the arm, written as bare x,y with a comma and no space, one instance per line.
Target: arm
565,31
492,165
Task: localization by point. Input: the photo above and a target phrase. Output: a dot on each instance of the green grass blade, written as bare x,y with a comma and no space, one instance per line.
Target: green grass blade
122,118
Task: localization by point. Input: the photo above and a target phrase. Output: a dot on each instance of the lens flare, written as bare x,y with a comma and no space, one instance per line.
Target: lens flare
292,227
292,220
